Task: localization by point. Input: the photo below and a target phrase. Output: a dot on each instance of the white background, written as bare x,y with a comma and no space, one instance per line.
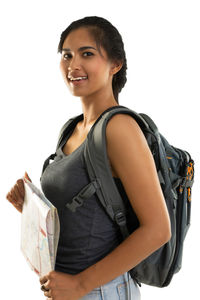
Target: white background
162,45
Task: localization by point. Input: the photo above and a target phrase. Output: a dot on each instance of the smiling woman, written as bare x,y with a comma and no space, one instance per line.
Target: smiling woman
92,262
99,33
86,68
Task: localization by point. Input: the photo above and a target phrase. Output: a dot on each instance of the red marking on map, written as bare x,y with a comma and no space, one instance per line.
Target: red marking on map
36,271
42,231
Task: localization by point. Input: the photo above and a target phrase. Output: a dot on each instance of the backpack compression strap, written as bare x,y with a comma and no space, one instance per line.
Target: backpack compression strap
98,165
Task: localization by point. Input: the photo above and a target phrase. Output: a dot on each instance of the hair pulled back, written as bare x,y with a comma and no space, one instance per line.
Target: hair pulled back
107,37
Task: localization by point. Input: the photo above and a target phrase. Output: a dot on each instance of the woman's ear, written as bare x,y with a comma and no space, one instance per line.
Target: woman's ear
116,67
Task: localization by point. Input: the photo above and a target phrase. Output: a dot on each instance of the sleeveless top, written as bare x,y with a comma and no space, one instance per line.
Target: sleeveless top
88,234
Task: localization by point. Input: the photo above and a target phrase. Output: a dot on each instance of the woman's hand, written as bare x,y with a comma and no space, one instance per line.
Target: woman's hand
60,286
16,194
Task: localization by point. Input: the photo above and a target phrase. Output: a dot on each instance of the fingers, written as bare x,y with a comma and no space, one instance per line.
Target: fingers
43,279
17,192
16,195
44,288
20,184
12,198
48,294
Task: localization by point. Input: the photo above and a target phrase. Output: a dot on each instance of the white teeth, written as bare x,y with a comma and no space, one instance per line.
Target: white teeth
77,78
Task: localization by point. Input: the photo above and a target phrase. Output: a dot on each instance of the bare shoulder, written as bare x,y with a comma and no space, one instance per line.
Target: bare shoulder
123,130
127,147
123,119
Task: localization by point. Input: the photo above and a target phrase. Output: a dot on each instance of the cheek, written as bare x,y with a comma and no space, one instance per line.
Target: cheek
99,70
103,75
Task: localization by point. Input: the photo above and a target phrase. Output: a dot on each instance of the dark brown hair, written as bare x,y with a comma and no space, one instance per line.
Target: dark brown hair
108,37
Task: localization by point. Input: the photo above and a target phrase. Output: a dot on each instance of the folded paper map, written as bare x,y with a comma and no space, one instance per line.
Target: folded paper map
40,229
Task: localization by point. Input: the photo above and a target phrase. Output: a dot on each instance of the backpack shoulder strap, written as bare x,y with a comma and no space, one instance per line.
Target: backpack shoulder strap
150,123
64,130
70,124
98,165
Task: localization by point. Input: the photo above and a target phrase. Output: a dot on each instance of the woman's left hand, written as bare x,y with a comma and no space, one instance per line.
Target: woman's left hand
61,286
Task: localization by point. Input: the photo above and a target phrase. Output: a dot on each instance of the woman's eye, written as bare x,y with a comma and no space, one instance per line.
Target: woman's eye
67,56
85,54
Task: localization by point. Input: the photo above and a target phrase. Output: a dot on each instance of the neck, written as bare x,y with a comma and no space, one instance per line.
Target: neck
93,107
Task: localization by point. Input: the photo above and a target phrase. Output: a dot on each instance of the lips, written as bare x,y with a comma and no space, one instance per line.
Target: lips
77,78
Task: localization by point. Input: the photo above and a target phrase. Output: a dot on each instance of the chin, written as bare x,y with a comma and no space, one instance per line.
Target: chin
80,93
77,94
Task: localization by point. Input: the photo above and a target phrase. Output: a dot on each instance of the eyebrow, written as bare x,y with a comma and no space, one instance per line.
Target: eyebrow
80,49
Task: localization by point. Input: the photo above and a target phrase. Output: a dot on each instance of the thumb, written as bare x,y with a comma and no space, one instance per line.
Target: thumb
27,177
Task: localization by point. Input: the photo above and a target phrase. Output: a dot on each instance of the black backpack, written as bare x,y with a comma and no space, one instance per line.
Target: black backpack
175,170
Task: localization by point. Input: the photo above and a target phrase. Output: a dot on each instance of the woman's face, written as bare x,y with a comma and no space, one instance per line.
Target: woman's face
85,70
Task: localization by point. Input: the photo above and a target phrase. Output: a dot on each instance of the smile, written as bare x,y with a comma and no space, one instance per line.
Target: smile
77,78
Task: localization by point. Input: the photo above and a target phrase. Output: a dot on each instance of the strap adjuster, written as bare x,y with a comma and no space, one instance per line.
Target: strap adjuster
77,201
84,194
120,218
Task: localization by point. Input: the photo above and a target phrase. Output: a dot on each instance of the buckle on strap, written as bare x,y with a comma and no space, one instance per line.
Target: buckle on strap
84,194
120,218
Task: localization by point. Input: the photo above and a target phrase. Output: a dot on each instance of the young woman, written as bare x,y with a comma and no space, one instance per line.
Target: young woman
92,262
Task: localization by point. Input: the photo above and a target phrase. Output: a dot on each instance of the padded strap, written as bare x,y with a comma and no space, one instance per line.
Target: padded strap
98,165
67,127
150,122
46,163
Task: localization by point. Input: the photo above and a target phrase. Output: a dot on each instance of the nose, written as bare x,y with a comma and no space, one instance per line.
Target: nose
74,64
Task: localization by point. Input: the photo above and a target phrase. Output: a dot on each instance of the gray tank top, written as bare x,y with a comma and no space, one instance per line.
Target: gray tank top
88,234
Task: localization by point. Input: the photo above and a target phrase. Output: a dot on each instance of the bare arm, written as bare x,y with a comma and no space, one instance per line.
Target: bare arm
132,161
